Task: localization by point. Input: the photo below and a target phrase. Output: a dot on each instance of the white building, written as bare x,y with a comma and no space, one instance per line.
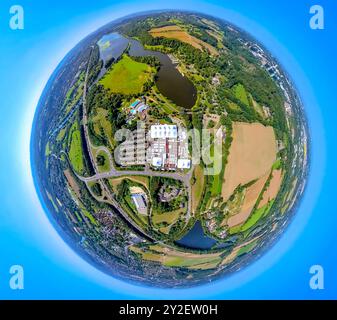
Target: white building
157,162
164,131
184,164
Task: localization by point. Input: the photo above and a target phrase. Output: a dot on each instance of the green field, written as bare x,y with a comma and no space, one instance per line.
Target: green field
253,219
247,248
256,216
47,150
277,164
75,149
61,135
197,187
175,259
127,76
168,217
218,179
241,94
172,261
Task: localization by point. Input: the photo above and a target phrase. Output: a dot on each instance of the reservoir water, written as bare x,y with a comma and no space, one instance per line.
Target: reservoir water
170,82
112,45
197,239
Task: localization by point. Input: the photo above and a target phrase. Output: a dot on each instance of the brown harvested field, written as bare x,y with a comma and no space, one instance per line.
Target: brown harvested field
251,155
252,193
274,187
175,32
72,182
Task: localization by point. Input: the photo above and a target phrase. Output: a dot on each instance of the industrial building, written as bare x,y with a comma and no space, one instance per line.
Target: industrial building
162,146
168,147
140,202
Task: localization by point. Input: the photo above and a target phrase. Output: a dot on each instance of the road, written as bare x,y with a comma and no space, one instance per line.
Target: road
113,173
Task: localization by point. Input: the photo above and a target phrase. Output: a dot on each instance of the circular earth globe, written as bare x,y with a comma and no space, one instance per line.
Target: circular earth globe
169,149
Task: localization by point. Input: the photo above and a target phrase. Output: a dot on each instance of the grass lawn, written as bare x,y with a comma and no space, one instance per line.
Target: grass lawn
75,150
127,76
156,48
169,217
241,94
216,186
90,217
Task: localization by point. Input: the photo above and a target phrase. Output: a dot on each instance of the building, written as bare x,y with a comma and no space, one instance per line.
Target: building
162,146
139,199
138,106
157,162
184,163
168,147
164,131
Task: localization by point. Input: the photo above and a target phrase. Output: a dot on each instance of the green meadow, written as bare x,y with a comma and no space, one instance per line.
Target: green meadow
127,76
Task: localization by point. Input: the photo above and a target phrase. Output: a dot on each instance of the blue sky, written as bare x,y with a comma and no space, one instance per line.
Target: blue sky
52,269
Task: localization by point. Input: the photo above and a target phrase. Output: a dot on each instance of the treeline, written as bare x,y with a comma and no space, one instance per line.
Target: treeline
150,60
244,113
95,66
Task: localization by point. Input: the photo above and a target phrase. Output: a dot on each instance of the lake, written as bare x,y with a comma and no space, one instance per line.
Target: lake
169,81
197,239
112,45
